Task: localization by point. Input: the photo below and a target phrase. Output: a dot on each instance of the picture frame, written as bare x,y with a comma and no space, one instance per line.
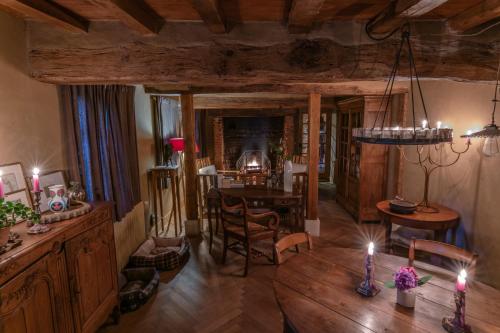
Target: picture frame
57,177
13,177
22,196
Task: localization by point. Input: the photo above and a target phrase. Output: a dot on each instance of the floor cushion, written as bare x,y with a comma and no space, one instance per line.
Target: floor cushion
161,253
137,285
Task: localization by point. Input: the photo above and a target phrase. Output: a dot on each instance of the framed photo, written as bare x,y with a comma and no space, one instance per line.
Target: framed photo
13,177
46,180
22,196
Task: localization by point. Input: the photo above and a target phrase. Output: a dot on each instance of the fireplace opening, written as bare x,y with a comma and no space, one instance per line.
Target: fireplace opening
247,140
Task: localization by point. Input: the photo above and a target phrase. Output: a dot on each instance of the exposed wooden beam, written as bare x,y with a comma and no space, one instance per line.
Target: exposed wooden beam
397,12
250,56
314,112
326,89
251,112
243,102
303,14
138,16
188,126
211,13
476,15
48,12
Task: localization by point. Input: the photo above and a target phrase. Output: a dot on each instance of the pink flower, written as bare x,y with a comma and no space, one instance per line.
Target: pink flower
406,278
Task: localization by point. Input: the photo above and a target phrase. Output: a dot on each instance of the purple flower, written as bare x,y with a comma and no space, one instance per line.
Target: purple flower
406,278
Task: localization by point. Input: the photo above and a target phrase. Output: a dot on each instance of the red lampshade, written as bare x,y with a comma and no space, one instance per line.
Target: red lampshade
177,144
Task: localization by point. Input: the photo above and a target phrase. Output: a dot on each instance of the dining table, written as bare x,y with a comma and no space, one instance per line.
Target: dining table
316,291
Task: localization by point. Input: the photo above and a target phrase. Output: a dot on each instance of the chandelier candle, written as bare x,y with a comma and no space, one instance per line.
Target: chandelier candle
368,288
457,323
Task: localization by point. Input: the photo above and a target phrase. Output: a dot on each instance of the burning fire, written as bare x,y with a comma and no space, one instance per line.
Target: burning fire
253,163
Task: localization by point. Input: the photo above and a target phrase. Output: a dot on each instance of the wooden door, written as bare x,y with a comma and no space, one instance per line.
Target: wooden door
92,274
37,300
347,170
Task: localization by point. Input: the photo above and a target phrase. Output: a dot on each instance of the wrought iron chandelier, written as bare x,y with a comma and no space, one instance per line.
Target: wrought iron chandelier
490,132
382,133
428,141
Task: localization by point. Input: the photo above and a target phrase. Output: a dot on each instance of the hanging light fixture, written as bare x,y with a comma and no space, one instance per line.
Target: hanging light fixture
382,133
427,141
490,132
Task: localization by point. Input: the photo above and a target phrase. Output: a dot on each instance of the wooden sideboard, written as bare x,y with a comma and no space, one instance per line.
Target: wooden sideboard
62,281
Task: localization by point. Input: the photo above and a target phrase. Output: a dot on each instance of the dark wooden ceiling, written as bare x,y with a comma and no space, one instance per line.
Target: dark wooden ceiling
148,16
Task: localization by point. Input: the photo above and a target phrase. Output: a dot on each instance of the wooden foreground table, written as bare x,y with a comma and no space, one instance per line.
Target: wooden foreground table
316,292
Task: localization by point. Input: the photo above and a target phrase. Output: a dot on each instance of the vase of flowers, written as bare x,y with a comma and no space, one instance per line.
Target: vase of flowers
405,281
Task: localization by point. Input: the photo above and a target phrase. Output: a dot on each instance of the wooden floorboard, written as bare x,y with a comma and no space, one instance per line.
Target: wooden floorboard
206,296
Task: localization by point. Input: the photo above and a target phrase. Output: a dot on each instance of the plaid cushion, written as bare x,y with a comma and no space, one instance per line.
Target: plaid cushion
168,260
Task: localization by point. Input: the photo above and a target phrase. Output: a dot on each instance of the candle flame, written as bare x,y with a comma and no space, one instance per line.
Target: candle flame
463,274
371,248
469,132
36,171
424,123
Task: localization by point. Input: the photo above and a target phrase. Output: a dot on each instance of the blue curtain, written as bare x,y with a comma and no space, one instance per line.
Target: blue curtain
101,147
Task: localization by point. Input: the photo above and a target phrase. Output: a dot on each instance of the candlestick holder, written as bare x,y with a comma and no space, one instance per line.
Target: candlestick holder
368,288
37,228
457,323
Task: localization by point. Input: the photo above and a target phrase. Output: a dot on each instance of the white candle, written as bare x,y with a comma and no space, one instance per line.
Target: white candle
371,248
424,124
36,180
461,280
438,124
1,185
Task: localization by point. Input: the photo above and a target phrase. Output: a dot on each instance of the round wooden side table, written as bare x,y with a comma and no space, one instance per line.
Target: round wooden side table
440,222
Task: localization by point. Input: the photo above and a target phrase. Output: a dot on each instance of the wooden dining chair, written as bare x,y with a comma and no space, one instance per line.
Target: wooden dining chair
246,226
444,250
289,241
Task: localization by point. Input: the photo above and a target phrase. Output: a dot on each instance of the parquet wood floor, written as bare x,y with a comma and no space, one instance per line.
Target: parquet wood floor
206,296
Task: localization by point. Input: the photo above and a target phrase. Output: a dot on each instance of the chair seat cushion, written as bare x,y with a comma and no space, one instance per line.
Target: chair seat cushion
253,229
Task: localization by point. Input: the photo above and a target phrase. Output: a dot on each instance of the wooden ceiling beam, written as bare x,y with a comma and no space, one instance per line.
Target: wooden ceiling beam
211,13
327,89
303,14
397,12
138,16
48,12
240,102
476,15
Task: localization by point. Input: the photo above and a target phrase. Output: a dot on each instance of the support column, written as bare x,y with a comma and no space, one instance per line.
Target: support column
188,126
314,113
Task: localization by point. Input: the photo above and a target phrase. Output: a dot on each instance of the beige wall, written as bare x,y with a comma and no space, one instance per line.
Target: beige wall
30,130
472,185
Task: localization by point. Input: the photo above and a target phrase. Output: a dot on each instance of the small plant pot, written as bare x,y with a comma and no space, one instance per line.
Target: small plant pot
4,235
406,298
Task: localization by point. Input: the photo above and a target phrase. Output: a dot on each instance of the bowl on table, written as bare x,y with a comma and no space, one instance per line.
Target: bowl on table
402,206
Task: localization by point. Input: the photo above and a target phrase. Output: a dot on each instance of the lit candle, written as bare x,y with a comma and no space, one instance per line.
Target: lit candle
424,123
36,180
469,132
1,185
461,280
371,248
438,124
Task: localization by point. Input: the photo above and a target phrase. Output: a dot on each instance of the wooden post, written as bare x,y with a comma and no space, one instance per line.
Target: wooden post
314,112
188,126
